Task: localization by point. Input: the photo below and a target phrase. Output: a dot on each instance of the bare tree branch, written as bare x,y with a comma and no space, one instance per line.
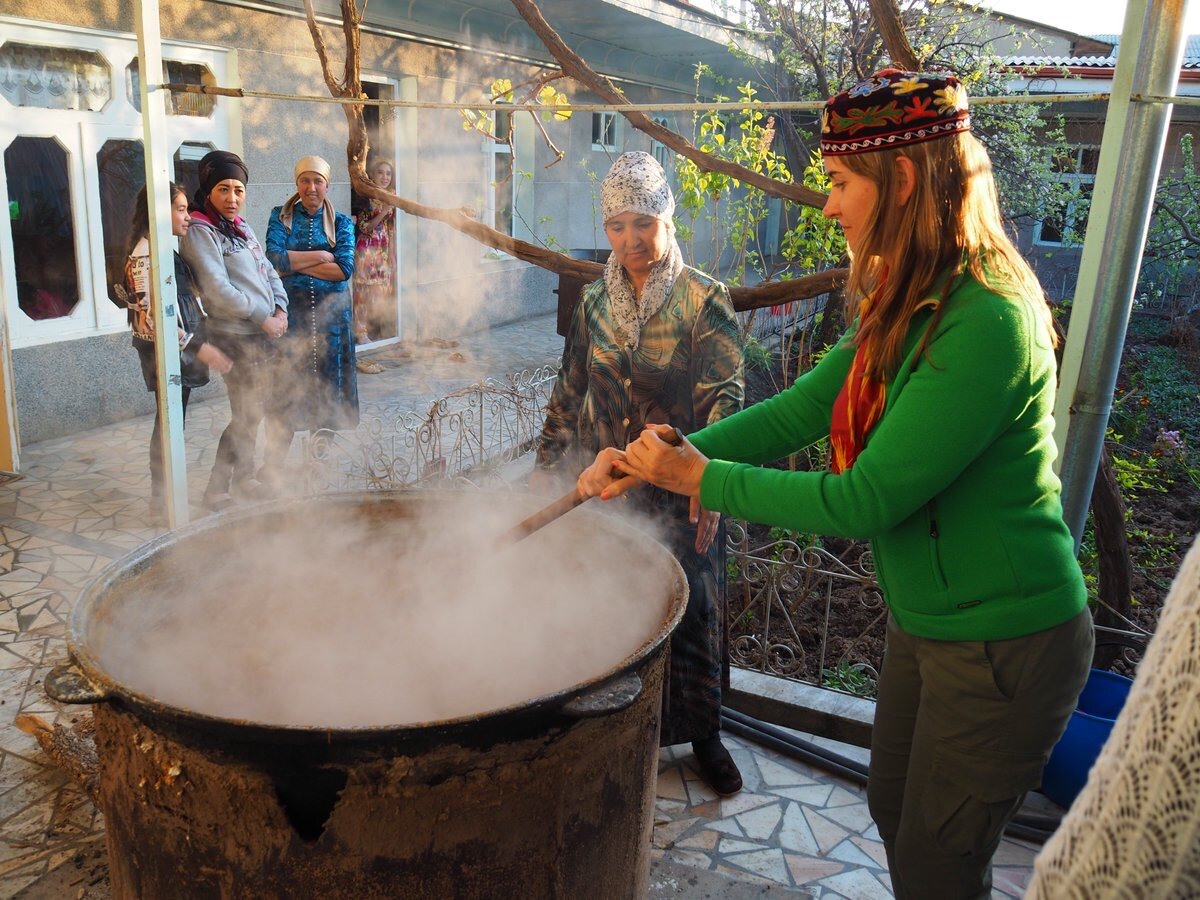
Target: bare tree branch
1184,227
574,66
464,221
886,14
775,293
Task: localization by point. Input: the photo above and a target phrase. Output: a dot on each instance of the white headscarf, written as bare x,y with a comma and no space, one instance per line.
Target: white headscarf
637,183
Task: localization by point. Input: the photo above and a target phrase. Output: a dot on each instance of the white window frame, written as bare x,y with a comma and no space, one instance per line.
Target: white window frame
1076,180
82,133
609,123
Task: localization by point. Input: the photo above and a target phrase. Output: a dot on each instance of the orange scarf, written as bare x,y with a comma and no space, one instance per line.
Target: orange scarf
857,409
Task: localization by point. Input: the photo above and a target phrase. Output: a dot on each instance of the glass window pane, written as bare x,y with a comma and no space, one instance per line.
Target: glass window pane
54,77
1053,223
122,172
175,72
43,231
1089,160
660,151
1068,163
503,125
187,165
503,193
1079,213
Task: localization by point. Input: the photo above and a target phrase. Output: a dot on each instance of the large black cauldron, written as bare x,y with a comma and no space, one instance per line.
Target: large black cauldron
548,797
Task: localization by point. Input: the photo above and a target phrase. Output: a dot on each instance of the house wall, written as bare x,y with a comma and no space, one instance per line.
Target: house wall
1057,266
1001,34
449,283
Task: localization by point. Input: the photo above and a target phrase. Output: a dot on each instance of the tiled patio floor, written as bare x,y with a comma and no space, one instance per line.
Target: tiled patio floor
82,502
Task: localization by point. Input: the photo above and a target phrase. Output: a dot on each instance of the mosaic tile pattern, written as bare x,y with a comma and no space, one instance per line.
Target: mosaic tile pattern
83,502
792,825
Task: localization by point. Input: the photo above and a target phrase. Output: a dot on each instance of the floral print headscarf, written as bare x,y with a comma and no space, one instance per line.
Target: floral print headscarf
637,183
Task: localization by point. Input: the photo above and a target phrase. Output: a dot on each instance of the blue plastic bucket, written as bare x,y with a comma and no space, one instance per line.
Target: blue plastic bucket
1088,728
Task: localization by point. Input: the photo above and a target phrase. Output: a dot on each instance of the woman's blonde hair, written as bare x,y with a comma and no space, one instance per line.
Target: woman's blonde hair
951,224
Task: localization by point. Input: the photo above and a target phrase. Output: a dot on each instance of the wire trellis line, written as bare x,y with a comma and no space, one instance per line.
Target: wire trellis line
731,105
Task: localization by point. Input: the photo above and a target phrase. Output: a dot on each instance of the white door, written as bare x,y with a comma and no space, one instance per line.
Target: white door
44,246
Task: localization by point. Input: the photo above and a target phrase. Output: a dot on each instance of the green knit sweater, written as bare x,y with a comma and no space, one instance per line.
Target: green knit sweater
954,487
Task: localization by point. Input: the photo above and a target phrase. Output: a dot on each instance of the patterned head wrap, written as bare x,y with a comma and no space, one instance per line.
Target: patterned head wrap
893,109
328,216
637,183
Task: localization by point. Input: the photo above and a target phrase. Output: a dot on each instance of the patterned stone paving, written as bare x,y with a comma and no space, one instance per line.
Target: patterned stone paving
83,502
792,825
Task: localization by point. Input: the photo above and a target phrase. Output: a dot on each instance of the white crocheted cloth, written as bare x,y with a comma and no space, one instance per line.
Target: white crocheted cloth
1134,831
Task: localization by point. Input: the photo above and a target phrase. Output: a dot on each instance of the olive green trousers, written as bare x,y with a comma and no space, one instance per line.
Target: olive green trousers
962,731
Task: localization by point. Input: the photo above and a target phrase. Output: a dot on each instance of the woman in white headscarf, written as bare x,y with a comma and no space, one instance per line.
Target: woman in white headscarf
656,341
312,248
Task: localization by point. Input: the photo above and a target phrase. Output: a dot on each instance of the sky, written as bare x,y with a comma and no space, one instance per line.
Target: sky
1082,16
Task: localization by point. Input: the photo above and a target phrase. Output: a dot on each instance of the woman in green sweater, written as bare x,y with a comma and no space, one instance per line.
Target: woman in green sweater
937,403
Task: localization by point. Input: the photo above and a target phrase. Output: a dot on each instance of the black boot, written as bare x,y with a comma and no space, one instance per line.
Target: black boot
717,767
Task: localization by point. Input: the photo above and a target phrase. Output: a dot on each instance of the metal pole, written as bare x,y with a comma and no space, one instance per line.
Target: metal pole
162,264
1099,218
1112,252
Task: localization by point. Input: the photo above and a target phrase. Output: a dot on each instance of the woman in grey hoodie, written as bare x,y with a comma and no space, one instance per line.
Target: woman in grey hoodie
247,311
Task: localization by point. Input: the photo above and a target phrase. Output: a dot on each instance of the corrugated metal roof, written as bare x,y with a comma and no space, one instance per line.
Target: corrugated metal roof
1191,50
1191,55
1099,62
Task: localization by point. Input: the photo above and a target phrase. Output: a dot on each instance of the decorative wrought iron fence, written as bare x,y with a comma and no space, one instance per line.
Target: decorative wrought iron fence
799,610
798,606
470,434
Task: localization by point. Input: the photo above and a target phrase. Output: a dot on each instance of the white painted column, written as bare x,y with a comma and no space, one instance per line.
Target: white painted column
162,265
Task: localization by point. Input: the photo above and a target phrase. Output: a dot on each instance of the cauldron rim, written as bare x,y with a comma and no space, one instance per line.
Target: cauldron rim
109,689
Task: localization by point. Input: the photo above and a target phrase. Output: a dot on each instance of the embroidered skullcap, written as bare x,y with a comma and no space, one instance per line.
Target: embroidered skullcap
892,109
217,166
312,164
636,183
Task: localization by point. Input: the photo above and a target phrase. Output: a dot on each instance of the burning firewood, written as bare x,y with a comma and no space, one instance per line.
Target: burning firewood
73,748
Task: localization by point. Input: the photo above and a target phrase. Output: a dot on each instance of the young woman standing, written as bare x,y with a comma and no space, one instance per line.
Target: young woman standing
196,353
375,261
247,308
937,403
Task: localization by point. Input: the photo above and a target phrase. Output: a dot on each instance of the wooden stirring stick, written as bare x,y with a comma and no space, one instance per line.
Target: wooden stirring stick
561,506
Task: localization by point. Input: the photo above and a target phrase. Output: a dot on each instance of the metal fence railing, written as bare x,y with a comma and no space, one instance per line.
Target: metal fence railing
470,434
800,607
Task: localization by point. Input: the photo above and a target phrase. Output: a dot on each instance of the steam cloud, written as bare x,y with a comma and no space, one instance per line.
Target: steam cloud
341,615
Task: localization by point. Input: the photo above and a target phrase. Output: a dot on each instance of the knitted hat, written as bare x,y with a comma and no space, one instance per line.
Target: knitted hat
312,164
891,109
636,183
217,166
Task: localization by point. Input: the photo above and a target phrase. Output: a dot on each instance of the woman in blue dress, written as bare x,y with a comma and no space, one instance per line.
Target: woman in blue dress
312,248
